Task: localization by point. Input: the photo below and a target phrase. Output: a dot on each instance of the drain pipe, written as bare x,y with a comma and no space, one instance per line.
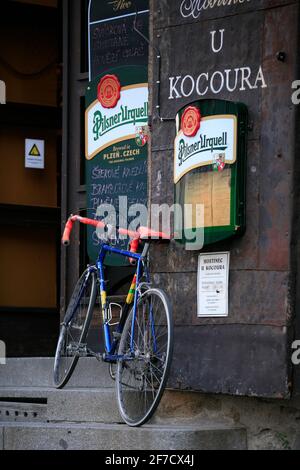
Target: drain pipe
158,82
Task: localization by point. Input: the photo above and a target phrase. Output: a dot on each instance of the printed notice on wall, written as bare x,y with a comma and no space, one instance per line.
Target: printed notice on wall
213,277
35,154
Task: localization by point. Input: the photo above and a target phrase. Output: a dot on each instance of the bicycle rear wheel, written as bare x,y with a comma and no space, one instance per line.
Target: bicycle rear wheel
75,327
141,378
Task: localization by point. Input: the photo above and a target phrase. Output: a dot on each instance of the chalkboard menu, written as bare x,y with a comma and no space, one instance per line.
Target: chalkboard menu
113,41
116,130
116,152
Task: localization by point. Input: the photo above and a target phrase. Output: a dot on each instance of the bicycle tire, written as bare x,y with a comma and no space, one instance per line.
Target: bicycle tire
80,310
141,380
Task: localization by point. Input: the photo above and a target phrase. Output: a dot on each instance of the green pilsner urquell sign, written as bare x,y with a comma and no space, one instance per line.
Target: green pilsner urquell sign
210,151
116,120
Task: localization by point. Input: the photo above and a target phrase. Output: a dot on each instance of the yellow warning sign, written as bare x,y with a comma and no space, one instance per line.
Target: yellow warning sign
34,152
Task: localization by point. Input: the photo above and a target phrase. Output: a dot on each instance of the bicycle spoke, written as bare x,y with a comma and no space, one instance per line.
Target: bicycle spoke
75,326
140,383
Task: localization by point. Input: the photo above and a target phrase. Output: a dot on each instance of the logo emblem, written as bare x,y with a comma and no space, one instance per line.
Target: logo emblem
141,136
109,89
219,162
190,121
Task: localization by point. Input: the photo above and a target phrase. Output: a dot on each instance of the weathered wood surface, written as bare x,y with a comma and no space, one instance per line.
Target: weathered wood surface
231,359
262,277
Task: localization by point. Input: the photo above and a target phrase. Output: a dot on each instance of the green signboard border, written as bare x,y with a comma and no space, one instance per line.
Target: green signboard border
237,224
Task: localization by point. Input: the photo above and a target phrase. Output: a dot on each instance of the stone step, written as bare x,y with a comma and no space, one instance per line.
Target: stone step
49,404
22,412
93,405
38,372
90,436
34,415
27,393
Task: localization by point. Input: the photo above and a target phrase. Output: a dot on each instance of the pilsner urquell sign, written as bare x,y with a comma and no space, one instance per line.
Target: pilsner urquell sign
116,148
209,167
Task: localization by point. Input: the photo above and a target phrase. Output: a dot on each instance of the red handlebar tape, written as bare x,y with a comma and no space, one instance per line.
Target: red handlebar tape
134,245
143,232
83,220
67,232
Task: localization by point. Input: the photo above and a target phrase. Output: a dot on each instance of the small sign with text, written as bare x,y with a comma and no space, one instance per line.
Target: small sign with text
213,278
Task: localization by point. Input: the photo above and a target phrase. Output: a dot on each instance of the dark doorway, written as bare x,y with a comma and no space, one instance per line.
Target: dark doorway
30,198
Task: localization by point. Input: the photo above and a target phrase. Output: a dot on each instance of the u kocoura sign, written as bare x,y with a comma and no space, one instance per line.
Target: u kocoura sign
116,121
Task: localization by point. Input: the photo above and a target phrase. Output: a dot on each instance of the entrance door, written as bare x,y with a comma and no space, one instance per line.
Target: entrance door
30,125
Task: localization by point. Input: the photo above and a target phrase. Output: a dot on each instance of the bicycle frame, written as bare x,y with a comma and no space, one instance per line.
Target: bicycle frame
140,343
132,297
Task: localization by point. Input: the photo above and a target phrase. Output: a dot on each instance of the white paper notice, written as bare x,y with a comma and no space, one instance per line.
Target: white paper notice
213,277
35,154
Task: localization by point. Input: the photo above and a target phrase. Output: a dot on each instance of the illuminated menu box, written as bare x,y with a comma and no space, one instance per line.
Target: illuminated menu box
210,171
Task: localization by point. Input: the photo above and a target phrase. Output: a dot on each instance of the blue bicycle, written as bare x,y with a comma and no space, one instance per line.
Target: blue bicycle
139,347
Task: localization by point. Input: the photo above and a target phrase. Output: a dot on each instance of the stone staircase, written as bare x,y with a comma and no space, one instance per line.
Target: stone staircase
84,415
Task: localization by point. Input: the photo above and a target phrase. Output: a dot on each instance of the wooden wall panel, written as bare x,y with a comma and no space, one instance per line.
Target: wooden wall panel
27,267
28,53
20,185
216,356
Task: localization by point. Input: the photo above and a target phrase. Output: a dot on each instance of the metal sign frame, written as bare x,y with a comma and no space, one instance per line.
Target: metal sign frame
237,225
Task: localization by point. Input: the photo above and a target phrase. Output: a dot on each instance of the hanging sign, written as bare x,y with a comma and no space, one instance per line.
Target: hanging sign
213,277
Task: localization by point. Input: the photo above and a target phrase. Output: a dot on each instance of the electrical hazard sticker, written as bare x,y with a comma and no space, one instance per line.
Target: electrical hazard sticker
35,154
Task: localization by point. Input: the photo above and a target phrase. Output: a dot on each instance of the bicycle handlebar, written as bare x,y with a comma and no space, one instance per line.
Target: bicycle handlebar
140,234
66,235
83,220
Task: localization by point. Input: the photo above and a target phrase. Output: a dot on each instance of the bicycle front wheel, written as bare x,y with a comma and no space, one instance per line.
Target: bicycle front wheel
75,327
143,371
